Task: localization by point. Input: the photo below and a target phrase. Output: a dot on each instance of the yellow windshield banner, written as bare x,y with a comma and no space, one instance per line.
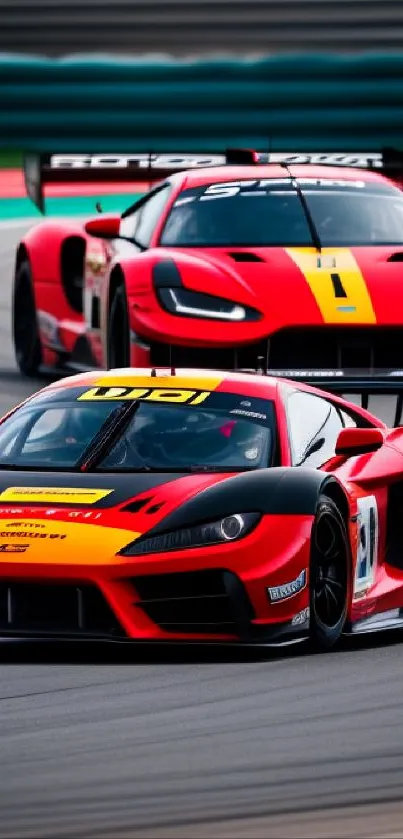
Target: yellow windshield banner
187,390
177,395
336,283
53,495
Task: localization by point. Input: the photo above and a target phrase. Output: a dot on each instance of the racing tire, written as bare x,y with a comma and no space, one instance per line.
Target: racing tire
329,575
118,349
26,339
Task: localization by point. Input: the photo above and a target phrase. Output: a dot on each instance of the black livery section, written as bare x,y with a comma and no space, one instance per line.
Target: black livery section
274,491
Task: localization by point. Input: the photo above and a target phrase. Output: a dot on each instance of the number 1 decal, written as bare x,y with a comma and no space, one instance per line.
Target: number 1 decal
339,290
367,543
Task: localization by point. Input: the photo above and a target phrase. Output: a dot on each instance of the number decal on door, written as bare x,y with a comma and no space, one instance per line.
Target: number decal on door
367,543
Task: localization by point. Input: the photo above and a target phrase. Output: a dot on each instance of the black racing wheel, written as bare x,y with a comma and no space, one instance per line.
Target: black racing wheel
27,344
118,348
329,575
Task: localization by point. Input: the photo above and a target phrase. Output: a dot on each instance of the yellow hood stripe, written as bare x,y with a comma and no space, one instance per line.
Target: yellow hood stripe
336,283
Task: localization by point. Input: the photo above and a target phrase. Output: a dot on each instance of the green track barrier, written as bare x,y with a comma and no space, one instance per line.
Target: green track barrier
286,103
20,208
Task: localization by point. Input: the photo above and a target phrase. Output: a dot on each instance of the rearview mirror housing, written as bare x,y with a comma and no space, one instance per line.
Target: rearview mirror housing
355,441
104,226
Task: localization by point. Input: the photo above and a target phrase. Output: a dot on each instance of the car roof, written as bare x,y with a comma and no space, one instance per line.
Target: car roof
249,384
159,377
218,174
246,384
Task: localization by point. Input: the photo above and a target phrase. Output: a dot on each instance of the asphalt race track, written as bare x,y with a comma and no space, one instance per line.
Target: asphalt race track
119,742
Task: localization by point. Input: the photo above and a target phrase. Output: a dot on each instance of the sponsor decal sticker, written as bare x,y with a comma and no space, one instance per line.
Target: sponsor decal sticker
8,548
301,617
53,495
59,511
30,534
286,590
252,414
135,161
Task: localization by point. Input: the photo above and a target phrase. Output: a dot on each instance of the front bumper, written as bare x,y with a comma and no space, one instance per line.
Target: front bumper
198,595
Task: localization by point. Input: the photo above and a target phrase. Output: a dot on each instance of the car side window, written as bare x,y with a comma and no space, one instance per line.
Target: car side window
348,419
141,223
313,425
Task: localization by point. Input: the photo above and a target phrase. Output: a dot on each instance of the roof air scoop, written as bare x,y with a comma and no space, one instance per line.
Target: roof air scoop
396,257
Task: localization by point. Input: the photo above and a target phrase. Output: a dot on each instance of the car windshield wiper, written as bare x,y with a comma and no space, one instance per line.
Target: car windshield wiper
308,215
107,436
38,467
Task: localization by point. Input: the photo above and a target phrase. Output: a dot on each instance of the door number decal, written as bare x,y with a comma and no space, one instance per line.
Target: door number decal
367,543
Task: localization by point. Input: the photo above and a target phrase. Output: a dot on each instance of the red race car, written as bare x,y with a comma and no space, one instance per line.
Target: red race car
158,505
290,266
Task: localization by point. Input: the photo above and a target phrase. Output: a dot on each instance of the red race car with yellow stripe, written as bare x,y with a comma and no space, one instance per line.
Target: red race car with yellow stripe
290,263
158,505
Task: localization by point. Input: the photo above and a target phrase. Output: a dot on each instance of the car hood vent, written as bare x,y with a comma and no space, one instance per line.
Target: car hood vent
245,256
136,505
396,257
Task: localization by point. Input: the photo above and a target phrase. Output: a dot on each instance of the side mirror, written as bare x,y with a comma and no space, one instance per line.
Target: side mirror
354,441
104,226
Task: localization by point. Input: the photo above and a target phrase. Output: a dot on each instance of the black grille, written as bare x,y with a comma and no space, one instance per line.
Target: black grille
303,347
200,602
336,347
55,609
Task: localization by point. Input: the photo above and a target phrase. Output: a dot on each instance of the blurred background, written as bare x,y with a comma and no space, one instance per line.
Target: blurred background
118,744
185,27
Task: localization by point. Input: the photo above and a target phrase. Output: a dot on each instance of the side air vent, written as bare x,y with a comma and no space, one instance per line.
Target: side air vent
72,270
396,257
212,602
245,256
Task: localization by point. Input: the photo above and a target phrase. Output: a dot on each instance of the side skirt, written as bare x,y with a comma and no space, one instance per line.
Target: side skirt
382,621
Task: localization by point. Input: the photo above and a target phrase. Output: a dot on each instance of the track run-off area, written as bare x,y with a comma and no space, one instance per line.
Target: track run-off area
118,741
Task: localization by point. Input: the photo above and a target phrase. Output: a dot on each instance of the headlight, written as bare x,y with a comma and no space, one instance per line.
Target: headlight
224,530
194,304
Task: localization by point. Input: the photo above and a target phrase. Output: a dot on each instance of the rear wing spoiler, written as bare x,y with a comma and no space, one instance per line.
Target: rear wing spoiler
379,392
42,169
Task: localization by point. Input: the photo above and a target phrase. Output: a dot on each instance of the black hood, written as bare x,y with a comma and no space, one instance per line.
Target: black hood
15,488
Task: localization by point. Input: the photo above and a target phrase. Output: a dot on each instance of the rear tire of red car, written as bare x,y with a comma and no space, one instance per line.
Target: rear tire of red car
118,331
329,575
27,344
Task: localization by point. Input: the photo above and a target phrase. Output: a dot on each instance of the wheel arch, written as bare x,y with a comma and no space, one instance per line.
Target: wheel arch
121,356
275,491
116,280
332,489
22,255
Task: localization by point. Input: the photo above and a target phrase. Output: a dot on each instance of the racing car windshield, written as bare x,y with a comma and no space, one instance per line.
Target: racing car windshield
170,430
269,213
